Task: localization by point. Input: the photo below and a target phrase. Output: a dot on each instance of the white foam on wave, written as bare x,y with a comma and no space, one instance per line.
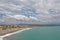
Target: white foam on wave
1,38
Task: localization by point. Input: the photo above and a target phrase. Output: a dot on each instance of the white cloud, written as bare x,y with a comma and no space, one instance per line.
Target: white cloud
12,6
33,18
20,17
2,20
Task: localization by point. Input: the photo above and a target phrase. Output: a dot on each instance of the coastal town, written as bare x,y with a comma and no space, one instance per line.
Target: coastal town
10,29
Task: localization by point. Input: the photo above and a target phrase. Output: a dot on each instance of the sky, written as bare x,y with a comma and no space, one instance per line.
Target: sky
29,12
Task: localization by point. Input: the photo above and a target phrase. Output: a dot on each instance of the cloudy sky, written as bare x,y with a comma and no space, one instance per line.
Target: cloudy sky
29,11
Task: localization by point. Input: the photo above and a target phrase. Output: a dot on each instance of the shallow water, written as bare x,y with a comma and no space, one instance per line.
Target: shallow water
44,33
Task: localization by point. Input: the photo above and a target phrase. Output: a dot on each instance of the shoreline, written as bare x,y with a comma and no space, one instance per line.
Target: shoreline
1,37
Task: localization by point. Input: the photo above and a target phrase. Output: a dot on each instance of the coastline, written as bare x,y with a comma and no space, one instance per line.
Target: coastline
1,37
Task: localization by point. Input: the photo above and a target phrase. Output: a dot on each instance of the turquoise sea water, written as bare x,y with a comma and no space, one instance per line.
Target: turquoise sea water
44,33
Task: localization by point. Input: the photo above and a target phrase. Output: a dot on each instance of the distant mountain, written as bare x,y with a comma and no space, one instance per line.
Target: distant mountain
40,24
34,24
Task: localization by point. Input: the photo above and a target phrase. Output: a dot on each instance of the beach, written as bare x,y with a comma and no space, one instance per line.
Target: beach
7,31
12,32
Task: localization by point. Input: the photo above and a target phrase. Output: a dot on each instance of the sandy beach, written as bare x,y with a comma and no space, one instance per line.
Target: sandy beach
7,31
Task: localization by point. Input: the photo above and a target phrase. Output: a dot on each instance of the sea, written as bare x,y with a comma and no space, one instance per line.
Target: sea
42,33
